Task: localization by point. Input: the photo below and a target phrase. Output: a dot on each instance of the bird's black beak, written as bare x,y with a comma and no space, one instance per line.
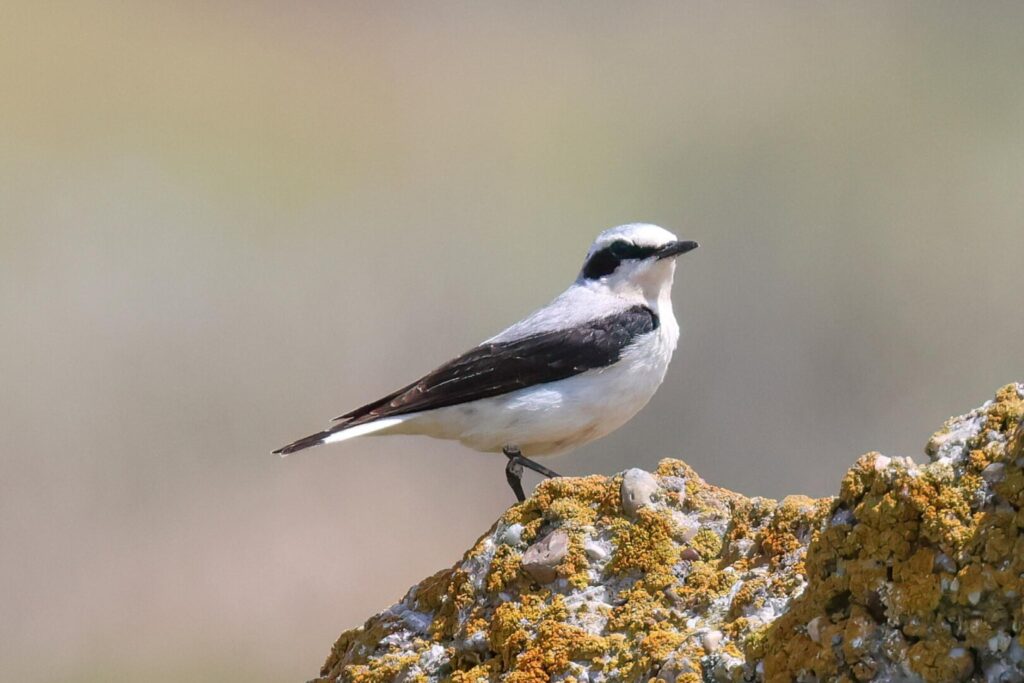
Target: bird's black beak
675,249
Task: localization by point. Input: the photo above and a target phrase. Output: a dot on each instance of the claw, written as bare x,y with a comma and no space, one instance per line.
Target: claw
514,470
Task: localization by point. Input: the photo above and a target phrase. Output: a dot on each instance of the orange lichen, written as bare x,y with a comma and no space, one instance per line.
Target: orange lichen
504,569
644,545
534,642
789,522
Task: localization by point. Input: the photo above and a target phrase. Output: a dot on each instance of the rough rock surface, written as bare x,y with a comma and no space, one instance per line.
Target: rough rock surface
913,573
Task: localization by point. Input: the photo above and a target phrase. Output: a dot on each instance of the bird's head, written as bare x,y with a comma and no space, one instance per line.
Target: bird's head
634,260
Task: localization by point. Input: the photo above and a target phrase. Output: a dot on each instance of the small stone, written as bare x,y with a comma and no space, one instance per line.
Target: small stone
638,488
974,597
594,550
676,668
944,562
689,555
999,642
686,526
513,535
542,558
711,640
994,473
814,629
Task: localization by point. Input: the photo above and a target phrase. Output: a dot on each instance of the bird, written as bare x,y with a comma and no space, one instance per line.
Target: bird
567,374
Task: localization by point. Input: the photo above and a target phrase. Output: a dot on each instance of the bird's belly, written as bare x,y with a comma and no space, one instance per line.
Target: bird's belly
556,417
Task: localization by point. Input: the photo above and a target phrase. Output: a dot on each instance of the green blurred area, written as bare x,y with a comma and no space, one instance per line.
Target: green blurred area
223,223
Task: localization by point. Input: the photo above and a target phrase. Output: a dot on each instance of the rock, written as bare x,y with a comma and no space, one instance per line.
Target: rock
638,489
543,557
912,573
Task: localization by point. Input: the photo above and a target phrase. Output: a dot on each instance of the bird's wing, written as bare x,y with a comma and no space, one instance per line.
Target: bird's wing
496,368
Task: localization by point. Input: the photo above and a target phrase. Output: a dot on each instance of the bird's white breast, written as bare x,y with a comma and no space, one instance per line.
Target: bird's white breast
555,417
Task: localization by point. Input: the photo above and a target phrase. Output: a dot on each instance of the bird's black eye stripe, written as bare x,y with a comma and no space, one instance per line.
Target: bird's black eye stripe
627,250
605,261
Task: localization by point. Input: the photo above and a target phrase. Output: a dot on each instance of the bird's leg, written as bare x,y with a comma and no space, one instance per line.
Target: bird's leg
514,474
514,470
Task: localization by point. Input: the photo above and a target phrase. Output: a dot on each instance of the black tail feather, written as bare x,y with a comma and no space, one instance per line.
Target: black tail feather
303,443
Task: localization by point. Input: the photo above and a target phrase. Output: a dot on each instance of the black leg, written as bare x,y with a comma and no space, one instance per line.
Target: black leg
514,470
514,475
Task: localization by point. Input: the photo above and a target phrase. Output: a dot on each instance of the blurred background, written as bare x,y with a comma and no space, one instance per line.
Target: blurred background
222,224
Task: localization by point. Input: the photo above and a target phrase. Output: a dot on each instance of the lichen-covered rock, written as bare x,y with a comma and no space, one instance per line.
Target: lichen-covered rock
913,573
917,574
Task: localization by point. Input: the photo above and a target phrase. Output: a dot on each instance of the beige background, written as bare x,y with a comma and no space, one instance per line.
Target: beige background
224,223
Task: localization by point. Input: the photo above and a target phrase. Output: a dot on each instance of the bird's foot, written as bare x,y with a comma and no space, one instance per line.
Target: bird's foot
514,470
514,474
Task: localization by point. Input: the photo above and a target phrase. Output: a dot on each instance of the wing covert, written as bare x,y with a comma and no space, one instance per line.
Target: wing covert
496,368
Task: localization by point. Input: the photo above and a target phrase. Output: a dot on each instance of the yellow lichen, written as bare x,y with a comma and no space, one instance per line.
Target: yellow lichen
644,545
534,642
504,569
707,543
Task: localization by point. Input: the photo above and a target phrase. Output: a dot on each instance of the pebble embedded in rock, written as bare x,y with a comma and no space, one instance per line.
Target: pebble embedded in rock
711,640
689,555
999,642
542,558
638,488
513,535
814,629
595,550
686,526
945,563
994,473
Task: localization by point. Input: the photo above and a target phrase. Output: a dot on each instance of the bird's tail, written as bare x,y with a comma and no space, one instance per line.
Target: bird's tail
338,433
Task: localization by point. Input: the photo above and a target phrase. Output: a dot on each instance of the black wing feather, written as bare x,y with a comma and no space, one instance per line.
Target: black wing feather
498,368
